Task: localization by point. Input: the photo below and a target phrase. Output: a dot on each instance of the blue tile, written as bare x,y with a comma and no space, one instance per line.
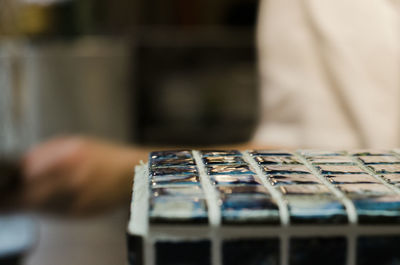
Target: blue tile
318,251
378,210
263,251
168,180
172,154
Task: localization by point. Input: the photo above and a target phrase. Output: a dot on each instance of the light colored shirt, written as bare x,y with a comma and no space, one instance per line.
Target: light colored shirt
330,73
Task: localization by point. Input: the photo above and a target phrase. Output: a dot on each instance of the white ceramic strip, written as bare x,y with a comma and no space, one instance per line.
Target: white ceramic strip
351,210
214,210
138,224
372,173
276,195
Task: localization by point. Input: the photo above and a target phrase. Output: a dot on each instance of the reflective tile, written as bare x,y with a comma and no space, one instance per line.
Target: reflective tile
352,179
382,250
221,180
167,180
383,169
318,251
220,160
379,159
183,253
251,190
310,153
159,171
171,154
262,251
331,160
178,191
271,160
316,210
286,169
167,209
305,190
294,179
208,153
339,169
364,190
378,210
229,169
269,153
172,162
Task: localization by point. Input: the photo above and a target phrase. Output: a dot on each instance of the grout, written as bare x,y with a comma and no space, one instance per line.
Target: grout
350,208
283,210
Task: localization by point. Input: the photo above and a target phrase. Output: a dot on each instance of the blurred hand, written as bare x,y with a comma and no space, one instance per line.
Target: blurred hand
78,176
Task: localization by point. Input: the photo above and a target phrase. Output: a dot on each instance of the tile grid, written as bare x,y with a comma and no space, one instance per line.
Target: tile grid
214,211
277,195
373,173
350,208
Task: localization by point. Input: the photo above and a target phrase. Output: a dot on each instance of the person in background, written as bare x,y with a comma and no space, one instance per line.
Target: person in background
330,79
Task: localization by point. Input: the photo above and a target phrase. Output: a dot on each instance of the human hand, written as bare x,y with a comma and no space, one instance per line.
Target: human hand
78,176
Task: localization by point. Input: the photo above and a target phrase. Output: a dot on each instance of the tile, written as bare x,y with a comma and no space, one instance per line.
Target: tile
286,169
352,179
208,153
177,170
331,160
383,169
183,253
378,210
271,160
310,153
318,251
169,210
179,154
370,153
170,180
391,178
262,251
229,169
339,169
294,179
389,159
305,190
324,210
172,162
178,191
222,180
220,160
364,190
269,153
250,190
382,250
249,209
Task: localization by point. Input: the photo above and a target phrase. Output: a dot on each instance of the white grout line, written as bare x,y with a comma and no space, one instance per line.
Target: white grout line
374,174
283,210
351,249
214,210
351,210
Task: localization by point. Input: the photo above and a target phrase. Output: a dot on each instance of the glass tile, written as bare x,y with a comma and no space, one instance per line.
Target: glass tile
318,251
250,190
221,180
229,169
183,253
168,209
271,160
352,179
391,178
370,153
364,189
220,160
262,251
316,210
310,153
208,153
331,160
178,191
269,153
383,169
378,210
382,250
302,190
176,180
294,179
172,162
179,154
379,159
286,169
339,169
159,171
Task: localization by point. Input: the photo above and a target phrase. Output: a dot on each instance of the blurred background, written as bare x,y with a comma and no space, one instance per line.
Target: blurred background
137,71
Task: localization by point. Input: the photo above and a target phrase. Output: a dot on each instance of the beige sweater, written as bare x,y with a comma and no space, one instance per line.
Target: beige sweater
330,73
